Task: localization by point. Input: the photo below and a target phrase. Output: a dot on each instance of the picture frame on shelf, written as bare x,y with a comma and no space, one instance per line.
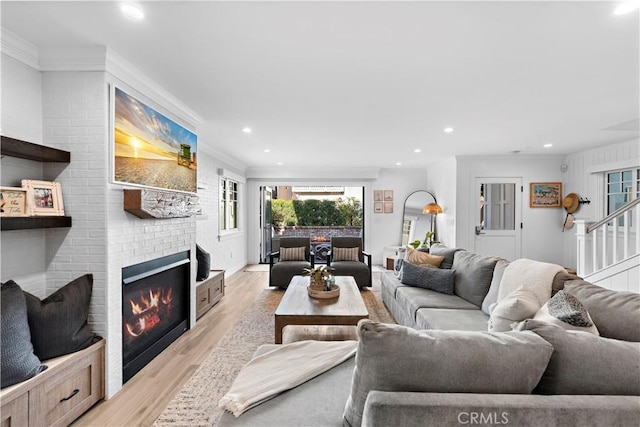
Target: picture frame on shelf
13,202
545,195
44,198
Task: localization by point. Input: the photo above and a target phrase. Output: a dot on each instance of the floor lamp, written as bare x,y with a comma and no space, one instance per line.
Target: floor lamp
433,209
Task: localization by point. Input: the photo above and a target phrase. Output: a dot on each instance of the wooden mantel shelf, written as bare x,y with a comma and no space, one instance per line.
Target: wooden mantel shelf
148,203
32,222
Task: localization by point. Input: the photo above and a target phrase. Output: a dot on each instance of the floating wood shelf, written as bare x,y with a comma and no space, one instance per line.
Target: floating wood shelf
32,222
147,203
30,151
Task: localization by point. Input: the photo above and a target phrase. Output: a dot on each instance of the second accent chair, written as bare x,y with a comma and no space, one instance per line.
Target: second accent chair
293,257
347,259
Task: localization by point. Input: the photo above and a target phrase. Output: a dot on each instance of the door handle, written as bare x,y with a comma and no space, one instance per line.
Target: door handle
479,230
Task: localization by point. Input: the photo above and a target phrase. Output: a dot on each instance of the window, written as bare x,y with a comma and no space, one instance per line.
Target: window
228,204
622,186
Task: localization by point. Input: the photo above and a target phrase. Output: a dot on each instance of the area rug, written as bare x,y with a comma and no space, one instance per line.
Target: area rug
196,404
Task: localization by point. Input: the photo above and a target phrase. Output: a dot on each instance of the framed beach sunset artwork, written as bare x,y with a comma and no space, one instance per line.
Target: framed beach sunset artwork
149,149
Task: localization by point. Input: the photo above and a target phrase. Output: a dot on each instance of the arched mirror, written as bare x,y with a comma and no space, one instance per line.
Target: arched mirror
416,221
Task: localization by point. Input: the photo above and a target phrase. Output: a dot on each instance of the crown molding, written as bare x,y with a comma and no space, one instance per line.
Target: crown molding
123,70
19,49
73,59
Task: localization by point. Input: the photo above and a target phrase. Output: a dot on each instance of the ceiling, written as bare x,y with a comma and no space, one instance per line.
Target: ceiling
364,84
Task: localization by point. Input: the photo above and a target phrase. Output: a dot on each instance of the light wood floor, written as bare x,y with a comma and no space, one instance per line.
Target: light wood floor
144,397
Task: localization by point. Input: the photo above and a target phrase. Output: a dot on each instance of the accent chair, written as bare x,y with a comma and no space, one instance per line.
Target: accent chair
347,258
293,257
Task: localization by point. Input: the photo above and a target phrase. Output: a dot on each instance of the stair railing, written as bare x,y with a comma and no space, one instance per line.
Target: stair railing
608,241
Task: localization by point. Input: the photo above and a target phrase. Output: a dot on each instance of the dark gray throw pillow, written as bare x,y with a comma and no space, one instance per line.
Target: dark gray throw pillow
569,309
436,279
584,363
18,361
59,322
204,263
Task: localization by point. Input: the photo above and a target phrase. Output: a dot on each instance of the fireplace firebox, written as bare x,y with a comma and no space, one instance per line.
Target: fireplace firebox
155,308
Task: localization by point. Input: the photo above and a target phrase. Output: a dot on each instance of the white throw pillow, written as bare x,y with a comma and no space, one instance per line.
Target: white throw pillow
519,305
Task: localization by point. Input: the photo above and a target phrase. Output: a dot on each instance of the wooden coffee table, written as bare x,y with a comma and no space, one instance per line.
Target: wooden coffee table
298,308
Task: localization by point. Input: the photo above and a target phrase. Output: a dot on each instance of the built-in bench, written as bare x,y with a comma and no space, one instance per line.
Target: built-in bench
70,385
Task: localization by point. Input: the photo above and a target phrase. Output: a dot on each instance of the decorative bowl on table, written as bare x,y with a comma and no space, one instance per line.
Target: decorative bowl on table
333,292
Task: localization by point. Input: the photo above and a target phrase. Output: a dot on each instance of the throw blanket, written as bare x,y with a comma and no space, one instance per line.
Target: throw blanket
281,369
535,275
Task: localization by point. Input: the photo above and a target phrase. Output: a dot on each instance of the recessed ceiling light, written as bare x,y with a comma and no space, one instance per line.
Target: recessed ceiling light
398,163
279,163
548,145
246,130
417,150
132,11
266,150
627,7
448,129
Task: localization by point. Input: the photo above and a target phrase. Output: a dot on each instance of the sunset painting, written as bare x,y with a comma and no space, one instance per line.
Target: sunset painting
151,149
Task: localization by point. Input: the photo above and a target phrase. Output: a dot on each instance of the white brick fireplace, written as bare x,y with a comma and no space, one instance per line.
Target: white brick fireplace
75,116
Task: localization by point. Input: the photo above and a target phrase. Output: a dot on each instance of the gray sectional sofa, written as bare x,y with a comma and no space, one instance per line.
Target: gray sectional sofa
476,285
440,367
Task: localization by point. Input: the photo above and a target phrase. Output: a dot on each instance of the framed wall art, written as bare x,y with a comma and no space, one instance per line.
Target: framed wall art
388,207
388,195
44,198
545,194
377,207
377,195
13,201
149,149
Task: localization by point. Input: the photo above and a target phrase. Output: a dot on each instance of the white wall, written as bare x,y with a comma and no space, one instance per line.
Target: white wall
228,253
24,252
442,183
542,235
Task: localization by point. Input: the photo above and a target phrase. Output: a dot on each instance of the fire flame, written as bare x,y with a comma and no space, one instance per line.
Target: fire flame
146,310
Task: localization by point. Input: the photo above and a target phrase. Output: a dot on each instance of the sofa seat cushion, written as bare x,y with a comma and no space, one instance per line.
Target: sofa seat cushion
416,298
451,319
282,272
616,314
391,282
317,403
583,363
473,276
389,358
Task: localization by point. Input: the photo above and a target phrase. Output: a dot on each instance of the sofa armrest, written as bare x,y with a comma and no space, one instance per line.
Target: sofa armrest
410,409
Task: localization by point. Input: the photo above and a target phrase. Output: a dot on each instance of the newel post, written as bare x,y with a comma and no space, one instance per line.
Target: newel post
581,236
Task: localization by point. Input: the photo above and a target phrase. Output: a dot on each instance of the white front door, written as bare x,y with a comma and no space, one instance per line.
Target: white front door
497,214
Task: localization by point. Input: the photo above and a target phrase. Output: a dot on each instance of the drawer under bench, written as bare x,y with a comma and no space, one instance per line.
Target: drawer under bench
71,385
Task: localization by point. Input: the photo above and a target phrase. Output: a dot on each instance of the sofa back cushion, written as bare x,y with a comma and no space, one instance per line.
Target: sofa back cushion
446,252
616,314
584,363
398,358
473,275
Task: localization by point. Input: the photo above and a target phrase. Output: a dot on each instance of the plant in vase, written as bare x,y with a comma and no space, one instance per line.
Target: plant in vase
317,276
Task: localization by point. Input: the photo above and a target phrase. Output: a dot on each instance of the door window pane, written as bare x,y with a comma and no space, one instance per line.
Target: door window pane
497,206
